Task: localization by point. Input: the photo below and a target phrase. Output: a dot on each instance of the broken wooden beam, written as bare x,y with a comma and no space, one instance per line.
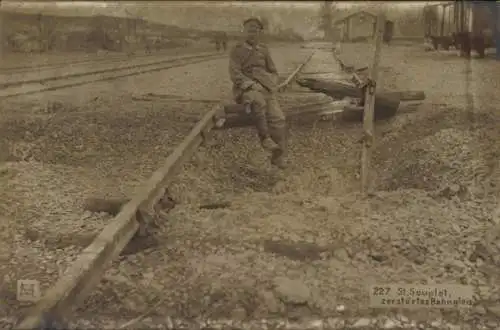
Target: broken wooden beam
340,90
237,118
385,108
332,88
387,105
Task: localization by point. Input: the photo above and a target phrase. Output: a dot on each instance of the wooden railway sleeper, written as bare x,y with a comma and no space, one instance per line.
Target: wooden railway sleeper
148,216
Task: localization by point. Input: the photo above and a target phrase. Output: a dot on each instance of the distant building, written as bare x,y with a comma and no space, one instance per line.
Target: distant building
356,25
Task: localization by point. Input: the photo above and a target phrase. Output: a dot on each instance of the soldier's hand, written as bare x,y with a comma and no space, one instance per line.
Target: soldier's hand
258,87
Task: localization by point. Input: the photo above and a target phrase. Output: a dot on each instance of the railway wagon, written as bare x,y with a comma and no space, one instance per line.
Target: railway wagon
466,25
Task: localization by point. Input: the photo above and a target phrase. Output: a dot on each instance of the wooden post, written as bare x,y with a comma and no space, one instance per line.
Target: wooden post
368,116
443,18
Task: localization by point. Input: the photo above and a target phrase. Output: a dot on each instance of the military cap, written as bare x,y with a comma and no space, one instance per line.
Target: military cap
254,19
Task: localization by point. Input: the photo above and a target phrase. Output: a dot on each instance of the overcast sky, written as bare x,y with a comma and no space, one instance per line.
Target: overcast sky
296,4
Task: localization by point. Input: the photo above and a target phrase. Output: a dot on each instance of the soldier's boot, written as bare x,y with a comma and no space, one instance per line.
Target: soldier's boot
278,155
263,132
269,144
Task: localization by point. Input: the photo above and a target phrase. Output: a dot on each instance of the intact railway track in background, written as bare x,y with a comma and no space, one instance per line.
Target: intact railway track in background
34,86
135,218
86,60
56,64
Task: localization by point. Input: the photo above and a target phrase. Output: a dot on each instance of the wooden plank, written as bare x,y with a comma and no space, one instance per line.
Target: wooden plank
333,88
368,117
87,270
338,89
294,74
235,117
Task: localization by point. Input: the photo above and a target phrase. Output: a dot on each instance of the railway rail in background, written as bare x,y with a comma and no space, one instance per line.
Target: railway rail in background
23,88
134,218
91,59
44,80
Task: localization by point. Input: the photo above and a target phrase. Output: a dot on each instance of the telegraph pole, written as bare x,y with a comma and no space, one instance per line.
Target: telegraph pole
3,35
327,19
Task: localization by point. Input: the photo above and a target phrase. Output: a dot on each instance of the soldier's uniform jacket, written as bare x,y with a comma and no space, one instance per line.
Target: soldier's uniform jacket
251,64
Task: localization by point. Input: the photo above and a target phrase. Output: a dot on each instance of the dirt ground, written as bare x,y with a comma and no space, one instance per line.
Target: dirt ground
300,244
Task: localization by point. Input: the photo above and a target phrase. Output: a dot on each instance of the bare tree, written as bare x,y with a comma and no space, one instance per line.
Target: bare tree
327,11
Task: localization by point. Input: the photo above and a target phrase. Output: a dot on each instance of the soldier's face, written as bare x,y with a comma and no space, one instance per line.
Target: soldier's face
252,31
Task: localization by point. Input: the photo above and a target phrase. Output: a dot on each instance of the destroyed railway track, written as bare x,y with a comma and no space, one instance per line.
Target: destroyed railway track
34,86
134,219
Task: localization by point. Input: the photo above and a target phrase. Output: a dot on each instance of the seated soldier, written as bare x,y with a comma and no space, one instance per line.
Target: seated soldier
255,83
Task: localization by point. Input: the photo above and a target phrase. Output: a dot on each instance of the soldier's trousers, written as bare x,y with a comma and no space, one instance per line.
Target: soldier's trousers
269,118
